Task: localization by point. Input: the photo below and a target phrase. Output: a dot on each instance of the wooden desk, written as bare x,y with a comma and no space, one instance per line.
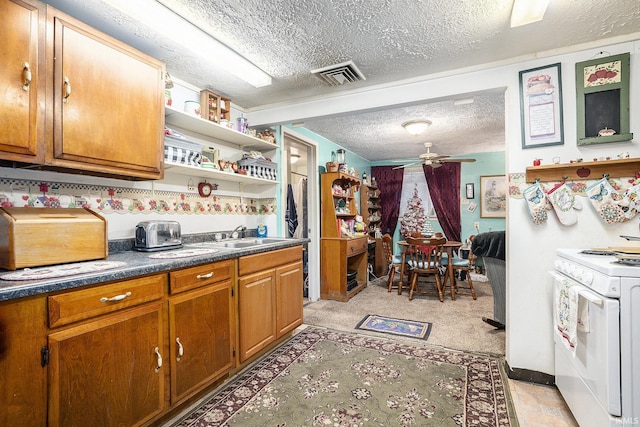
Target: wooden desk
449,246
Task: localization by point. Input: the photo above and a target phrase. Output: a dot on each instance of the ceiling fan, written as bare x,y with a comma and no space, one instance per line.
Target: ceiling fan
433,159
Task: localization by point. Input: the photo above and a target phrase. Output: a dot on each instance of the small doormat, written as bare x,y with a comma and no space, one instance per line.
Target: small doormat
389,325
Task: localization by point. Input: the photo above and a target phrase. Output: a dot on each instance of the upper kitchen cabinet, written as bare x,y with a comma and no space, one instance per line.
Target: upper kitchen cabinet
108,103
22,81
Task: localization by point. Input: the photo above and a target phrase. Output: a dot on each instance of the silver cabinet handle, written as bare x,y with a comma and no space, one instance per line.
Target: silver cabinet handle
180,349
159,358
67,89
205,276
116,298
26,76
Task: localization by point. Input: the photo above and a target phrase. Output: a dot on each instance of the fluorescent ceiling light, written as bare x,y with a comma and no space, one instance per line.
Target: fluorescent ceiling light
416,127
527,11
162,19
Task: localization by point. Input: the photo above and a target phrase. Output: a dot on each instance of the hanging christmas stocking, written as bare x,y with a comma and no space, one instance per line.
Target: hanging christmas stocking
537,203
605,199
564,202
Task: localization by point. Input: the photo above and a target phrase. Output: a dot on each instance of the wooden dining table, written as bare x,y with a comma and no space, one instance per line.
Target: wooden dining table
449,247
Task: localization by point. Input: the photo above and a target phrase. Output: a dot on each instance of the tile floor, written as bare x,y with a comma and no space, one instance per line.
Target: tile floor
540,405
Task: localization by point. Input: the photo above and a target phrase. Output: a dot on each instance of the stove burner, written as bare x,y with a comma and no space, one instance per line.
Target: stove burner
597,252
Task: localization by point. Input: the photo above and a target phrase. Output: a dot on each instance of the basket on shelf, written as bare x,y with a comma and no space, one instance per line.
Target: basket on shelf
259,168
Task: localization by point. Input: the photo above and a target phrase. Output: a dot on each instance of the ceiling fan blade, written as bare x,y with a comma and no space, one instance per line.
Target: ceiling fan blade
404,166
457,160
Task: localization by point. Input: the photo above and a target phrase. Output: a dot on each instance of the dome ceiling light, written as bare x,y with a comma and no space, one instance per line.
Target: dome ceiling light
416,127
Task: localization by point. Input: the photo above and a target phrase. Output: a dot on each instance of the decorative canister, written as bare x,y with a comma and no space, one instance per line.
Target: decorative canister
192,107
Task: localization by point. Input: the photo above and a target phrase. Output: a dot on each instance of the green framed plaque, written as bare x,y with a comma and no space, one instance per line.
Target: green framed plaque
602,104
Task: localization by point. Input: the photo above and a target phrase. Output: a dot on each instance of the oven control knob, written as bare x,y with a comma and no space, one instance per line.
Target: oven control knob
587,277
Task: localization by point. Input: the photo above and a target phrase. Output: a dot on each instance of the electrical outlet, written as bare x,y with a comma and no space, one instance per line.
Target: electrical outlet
476,225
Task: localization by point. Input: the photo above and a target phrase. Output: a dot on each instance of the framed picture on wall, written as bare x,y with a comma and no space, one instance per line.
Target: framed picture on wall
469,189
493,196
541,106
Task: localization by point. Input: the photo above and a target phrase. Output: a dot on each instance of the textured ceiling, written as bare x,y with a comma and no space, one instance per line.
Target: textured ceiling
388,40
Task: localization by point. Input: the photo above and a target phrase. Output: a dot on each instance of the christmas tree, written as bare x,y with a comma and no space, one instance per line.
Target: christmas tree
413,220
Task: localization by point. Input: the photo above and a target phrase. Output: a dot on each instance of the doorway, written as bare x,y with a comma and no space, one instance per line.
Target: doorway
300,190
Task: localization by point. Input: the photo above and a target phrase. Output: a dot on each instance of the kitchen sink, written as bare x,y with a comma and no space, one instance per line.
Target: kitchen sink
241,243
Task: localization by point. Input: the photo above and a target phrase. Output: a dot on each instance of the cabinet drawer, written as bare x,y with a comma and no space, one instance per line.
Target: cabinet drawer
86,303
357,246
194,277
266,260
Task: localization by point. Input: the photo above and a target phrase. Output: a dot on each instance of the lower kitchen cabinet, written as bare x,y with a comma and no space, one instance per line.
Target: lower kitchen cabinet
269,298
23,384
109,371
201,327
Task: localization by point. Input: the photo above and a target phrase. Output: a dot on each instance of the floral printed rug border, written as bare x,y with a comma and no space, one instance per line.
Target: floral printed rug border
322,377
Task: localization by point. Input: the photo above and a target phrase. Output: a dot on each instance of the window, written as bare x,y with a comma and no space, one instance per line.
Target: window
414,178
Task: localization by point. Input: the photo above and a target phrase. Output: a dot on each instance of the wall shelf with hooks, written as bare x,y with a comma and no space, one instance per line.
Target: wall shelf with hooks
583,170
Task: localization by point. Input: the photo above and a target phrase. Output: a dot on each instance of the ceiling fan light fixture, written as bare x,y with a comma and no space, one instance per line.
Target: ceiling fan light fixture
416,127
527,11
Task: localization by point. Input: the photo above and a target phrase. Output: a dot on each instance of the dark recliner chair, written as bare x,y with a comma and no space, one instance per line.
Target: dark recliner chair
491,246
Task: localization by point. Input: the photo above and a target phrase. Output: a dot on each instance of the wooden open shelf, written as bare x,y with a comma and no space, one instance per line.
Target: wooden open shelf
583,170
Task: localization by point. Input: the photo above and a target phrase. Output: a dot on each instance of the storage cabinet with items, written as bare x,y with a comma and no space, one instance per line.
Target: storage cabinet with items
270,287
214,107
371,211
103,94
343,257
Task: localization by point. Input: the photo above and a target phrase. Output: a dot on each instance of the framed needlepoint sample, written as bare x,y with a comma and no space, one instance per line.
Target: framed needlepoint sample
602,104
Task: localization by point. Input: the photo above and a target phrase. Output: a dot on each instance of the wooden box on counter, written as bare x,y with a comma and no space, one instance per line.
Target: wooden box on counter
31,237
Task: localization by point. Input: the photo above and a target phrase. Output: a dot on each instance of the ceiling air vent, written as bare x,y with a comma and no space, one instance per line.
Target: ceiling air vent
338,74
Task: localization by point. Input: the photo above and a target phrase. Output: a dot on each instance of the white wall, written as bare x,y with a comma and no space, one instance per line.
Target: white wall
530,248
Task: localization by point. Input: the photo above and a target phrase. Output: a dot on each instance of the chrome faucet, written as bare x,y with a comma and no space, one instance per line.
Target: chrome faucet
241,229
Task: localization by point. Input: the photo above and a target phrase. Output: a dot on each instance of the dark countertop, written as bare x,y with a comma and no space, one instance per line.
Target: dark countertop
137,264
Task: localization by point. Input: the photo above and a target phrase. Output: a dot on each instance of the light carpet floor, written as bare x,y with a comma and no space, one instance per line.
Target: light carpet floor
457,324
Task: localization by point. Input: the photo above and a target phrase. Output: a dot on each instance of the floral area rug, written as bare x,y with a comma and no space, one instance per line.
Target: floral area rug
326,378
390,325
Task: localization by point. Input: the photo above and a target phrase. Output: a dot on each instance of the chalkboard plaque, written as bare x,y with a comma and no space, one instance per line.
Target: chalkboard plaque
602,87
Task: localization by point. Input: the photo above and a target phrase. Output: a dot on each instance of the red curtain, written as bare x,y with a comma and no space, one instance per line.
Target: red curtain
444,189
390,184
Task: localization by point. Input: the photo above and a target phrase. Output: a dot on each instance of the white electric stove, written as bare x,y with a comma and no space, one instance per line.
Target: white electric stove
598,369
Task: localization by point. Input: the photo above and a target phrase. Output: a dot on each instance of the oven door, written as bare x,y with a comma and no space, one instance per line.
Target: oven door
589,375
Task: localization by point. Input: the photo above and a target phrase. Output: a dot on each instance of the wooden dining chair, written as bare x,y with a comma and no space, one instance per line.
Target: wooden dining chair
393,262
423,259
463,266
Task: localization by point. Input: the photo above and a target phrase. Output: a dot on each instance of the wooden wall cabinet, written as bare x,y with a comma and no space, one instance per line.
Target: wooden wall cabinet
269,298
108,103
102,115
22,79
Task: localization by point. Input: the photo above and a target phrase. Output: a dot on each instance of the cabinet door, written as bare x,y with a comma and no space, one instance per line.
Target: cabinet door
22,81
105,372
23,387
200,338
289,284
257,312
108,103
